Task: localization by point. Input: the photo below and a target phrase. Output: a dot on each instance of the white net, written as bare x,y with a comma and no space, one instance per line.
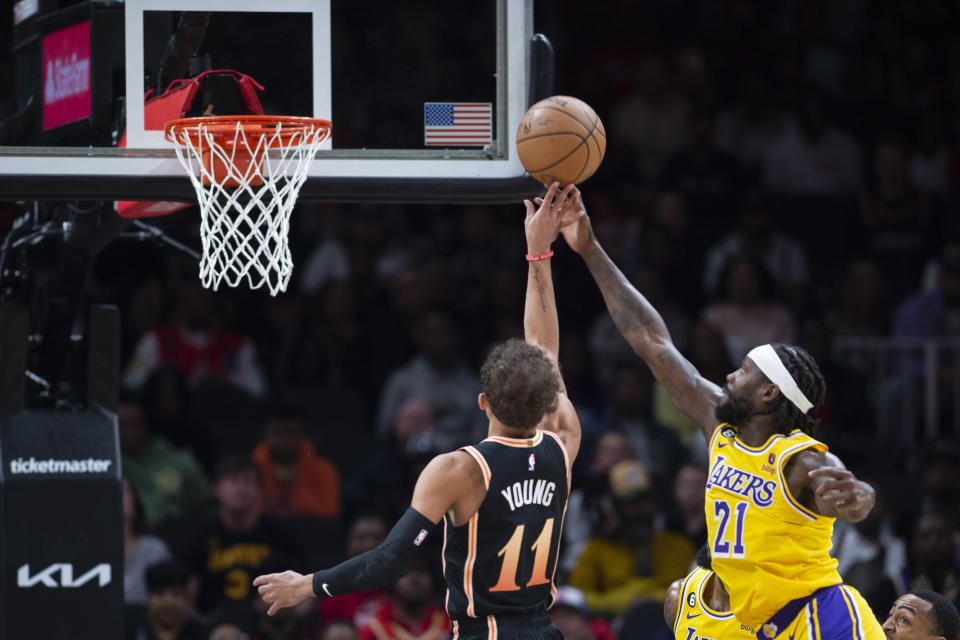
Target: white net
247,183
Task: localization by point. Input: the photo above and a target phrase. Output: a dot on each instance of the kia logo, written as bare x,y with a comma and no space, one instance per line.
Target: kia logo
48,577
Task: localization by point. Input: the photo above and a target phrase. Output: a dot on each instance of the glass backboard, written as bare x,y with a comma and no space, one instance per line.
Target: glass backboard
392,77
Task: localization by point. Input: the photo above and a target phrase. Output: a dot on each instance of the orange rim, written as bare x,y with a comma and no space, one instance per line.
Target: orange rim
223,128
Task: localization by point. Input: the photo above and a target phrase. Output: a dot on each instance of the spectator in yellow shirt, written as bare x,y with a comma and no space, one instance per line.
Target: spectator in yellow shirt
629,560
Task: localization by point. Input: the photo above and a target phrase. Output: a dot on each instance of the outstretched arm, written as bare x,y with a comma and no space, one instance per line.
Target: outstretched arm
642,326
540,324
542,226
445,479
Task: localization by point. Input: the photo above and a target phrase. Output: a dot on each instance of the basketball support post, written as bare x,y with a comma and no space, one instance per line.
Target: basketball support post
61,535
541,69
14,329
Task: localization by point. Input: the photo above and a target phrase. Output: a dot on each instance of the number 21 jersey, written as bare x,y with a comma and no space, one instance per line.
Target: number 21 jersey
502,560
766,547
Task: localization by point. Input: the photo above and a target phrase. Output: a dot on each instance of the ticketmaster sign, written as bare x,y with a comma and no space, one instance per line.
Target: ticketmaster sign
32,465
61,535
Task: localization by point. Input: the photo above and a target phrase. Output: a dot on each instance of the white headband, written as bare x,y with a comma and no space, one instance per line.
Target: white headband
772,366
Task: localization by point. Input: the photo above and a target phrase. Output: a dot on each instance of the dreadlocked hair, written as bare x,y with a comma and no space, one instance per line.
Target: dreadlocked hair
801,365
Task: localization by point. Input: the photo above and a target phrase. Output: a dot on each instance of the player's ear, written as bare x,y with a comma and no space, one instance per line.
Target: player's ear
769,392
482,401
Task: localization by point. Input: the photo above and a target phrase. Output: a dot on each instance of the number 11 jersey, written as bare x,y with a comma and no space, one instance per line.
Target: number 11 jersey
502,561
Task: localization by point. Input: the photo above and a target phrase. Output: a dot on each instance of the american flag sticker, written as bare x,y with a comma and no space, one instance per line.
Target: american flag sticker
457,124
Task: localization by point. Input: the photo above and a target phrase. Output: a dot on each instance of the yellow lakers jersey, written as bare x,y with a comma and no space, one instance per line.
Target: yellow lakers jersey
767,548
697,621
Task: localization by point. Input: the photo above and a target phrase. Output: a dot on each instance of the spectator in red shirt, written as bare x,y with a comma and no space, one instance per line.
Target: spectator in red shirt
198,344
411,612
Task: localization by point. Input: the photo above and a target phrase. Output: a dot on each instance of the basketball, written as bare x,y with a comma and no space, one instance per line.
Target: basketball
561,139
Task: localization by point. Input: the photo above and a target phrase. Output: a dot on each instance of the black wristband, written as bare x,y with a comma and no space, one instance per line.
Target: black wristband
378,567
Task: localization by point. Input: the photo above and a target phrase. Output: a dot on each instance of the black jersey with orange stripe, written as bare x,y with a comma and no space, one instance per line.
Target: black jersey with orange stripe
502,561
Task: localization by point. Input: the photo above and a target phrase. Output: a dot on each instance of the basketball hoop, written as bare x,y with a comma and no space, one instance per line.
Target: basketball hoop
247,171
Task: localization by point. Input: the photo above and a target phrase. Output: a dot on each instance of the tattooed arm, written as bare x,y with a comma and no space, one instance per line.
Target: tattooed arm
542,226
641,325
540,323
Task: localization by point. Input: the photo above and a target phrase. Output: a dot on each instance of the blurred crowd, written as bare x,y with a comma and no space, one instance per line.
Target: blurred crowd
776,171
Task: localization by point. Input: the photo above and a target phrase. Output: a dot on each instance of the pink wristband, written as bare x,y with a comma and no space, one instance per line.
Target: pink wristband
539,257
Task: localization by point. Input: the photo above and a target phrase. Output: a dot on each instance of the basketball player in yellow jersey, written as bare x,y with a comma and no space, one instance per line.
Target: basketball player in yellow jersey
773,491
503,500
698,607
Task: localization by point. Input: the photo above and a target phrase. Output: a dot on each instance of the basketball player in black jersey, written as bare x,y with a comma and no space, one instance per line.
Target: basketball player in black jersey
502,501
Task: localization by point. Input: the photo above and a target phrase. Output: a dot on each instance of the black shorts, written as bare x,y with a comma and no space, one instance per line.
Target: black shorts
535,627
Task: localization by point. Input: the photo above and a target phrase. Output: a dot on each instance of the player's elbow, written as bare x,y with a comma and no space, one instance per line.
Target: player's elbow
648,344
549,350
640,340
396,561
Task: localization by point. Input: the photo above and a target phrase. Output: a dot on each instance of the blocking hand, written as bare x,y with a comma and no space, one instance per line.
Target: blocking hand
542,225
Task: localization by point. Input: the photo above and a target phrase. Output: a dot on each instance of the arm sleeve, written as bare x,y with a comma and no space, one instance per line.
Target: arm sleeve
378,567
